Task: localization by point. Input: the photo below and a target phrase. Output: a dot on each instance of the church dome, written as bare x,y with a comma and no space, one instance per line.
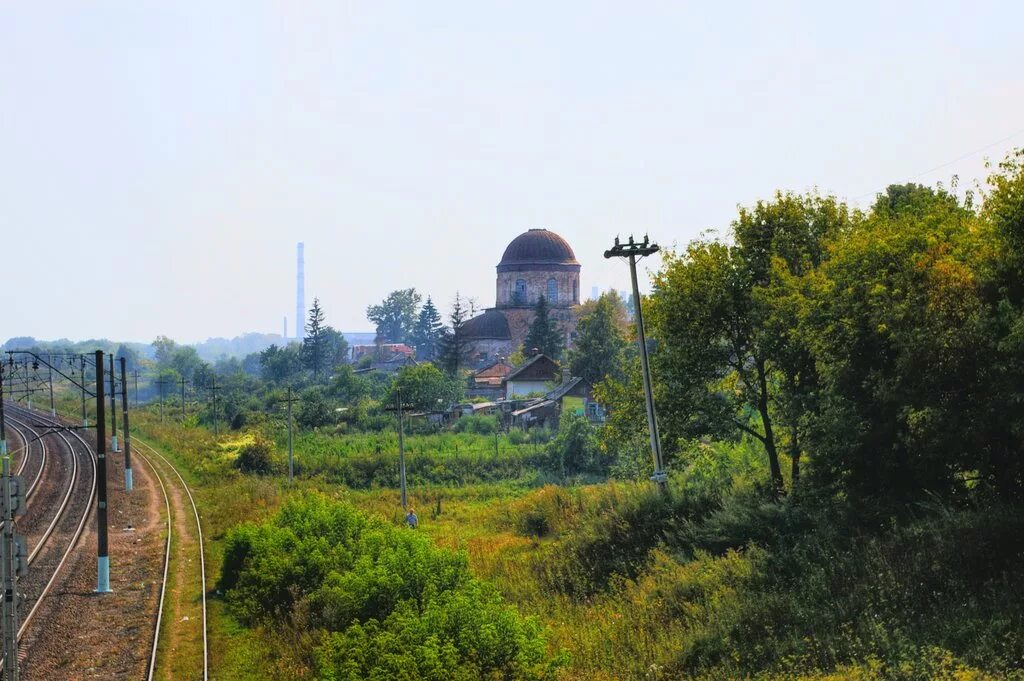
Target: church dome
492,324
537,247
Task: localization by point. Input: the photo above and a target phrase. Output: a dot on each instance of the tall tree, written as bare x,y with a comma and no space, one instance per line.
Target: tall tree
453,347
599,343
544,334
428,331
710,310
315,349
337,347
395,317
425,387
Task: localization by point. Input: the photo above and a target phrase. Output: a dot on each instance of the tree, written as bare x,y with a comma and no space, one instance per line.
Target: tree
709,313
544,333
314,409
163,348
896,320
336,347
425,387
315,350
279,364
395,317
453,347
429,330
599,343
575,448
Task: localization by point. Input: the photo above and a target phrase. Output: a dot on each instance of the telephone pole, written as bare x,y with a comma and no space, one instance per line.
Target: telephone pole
214,389
632,251
127,432
102,556
291,460
183,399
49,368
401,447
136,371
10,611
160,384
85,416
113,408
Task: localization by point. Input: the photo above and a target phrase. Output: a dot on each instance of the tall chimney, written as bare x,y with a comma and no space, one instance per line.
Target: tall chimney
284,334
300,296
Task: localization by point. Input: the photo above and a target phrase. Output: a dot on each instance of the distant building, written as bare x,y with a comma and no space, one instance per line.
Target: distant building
536,263
490,381
537,375
384,352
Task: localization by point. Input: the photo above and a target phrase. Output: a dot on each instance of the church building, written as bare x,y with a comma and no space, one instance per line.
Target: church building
535,263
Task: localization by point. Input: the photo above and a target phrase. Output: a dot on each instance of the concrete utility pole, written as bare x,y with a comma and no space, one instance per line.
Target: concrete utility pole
160,384
401,447
214,389
136,372
85,417
49,368
183,399
10,612
113,409
102,556
127,432
631,251
291,460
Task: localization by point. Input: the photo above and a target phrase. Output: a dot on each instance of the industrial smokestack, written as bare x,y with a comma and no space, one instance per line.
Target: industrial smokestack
300,296
284,335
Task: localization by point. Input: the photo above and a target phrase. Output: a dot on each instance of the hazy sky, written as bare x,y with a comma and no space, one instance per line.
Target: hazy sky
160,160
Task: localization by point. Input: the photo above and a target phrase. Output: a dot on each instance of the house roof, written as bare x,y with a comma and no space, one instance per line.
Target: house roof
498,369
538,368
564,389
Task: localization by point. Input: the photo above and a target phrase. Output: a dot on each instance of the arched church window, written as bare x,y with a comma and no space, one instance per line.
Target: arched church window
519,293
552,291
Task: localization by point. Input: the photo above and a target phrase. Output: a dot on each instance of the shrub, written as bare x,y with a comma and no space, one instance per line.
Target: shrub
480,424
388,602
255,457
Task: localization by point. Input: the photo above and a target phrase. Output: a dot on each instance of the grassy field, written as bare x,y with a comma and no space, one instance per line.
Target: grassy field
712,581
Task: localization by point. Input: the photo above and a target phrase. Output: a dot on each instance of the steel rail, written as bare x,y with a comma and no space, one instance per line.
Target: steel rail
91,456
202,557
150,674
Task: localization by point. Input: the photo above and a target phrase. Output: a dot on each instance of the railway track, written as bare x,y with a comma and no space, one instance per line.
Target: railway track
64,478
57,514
168,476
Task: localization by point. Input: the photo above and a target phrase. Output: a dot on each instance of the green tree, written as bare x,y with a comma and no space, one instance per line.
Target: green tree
424,387
896,321
454,347
336,348
575,448
279,365
429,330
314,408
315,350
395,316
599,343
163,348
544,334
710,310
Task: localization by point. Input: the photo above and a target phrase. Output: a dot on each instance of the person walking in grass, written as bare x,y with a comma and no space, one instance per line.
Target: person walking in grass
411,519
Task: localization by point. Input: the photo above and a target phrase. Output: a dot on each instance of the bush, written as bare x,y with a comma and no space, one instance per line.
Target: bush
388,603
481,424
256,457
575,449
